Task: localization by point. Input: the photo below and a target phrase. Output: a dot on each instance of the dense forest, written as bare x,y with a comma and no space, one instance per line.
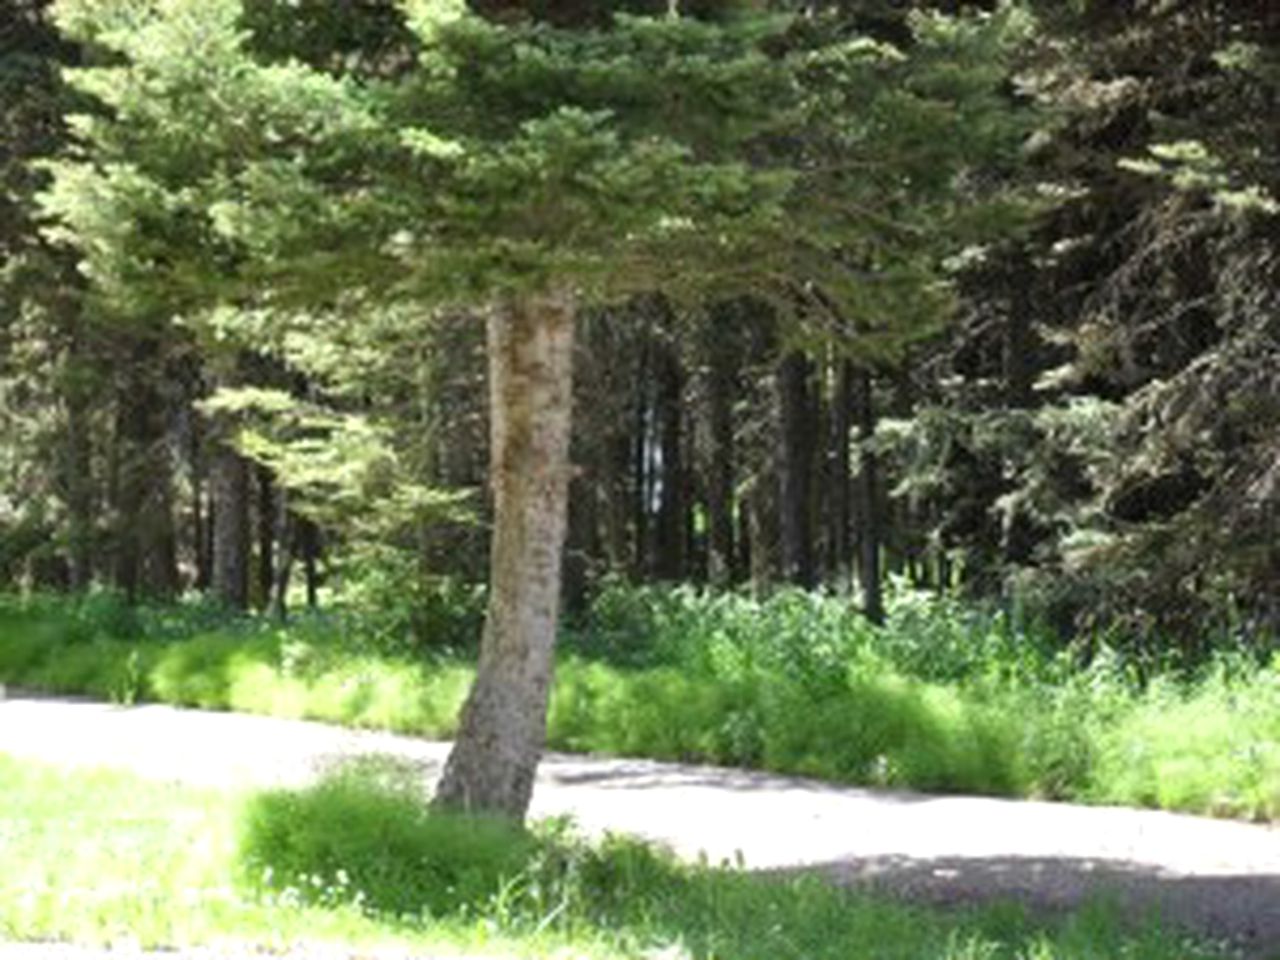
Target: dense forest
869,295
1070,406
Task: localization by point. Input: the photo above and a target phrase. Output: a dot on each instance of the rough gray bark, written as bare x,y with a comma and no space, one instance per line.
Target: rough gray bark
503,729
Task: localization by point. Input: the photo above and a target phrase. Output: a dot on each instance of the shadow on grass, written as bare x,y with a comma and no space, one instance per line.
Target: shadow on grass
1243,911
366,836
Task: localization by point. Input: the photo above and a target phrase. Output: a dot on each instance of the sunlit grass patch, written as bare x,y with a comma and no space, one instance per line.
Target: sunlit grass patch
298,671
1213,747
103,857
360,859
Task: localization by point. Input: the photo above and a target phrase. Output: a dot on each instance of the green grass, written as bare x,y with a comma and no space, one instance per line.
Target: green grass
942,698
1214,749
870,726
359,859
309,670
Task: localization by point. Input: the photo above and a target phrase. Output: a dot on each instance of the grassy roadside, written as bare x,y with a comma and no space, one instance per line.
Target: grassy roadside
101,857
938,700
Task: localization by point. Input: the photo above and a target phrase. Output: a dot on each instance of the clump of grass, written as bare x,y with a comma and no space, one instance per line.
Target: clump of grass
364,834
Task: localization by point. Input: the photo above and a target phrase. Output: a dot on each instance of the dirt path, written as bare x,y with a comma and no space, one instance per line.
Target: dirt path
1218,878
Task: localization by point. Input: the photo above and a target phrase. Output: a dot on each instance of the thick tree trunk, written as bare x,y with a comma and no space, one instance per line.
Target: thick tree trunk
491,768
229,485
795,468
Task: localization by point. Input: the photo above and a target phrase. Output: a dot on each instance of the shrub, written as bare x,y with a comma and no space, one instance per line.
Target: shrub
389,607
364,835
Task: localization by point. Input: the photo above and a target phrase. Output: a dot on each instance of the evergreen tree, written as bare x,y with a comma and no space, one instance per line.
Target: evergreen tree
1097,436
47,373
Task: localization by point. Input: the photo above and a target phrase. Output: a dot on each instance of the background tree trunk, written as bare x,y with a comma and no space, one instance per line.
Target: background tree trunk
308,535
839,503
667,559
79,473
795,468
145,546
641,480
201,520
491,768
229,483
267,522
870,532
286,531
720,466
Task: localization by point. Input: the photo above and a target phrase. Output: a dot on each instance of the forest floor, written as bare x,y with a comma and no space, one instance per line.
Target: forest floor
1217,878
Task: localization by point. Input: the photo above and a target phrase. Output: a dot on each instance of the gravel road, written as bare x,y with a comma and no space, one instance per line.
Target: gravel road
1217,878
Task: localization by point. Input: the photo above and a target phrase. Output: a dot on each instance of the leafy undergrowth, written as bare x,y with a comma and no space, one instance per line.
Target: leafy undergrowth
360,860
942,698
